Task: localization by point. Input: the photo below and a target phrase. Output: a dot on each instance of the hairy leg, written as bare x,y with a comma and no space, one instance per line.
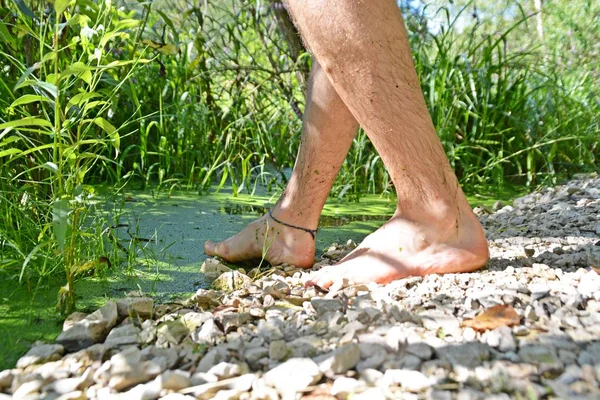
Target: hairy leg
327,134
363,48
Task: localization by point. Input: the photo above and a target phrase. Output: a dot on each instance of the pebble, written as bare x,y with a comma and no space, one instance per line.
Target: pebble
278,350
323,306
6,379
232,280
171,333
91,329
340,360
294,375
174,380
209,333
538,354
413,381
142,307
225,370
212,358
590,356
344,386
123,335
254,354
39,354
468,355
213,268
421,350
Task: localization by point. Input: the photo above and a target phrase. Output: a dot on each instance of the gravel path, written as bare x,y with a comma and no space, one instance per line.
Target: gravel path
525,327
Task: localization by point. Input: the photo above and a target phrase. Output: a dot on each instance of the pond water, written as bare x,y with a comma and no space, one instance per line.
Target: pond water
171,230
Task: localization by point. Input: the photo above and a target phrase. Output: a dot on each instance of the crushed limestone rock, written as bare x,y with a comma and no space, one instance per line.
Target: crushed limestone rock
272,338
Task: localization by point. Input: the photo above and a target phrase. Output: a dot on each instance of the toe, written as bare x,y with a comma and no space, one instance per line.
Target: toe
220,249
209,248
320,278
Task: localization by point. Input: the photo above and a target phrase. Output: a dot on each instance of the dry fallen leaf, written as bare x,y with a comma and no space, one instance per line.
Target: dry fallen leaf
494,317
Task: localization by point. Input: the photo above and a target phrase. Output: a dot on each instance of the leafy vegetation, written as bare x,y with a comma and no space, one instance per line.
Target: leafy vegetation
196,95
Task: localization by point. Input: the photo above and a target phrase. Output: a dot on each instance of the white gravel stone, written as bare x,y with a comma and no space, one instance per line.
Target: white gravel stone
590,356
64,386
92,329
127,334
541,251
174,379
135,307
538,354
213,268
27,389
468,355
212,358
126,369
340,360
225,370
371,376
209,333
435,320
323,306
40,353
177,396
412,381
200,378
279,350
294,375
421,350
75,395
371,394
231,280
6,379
344,386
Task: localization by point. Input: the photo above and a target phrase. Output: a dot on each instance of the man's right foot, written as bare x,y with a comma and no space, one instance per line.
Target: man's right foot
281,245
412,247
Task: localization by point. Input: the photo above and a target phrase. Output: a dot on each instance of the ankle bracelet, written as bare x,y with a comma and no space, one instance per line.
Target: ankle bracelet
312,232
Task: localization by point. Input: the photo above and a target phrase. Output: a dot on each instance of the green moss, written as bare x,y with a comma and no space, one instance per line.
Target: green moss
25,317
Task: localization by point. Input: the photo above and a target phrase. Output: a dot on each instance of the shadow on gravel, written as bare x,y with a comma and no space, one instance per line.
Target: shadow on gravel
534,366
567,258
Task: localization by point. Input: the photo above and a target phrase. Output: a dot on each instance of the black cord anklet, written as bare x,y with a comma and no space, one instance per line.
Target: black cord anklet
313,232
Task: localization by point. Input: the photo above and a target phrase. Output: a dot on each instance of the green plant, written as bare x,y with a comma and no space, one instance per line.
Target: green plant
58,130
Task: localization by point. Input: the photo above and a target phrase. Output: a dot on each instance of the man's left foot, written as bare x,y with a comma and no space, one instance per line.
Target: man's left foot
406,247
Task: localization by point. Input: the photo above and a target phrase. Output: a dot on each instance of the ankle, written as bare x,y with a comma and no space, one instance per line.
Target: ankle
311,232
437,213
300,216
441,218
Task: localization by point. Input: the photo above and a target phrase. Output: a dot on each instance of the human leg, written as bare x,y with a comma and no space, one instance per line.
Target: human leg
363,48
327,134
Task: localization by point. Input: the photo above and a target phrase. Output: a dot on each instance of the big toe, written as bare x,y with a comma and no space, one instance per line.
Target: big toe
209,248
322,278
216,249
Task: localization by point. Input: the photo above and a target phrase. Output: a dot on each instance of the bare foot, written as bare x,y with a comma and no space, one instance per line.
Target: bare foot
405,247
281,244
